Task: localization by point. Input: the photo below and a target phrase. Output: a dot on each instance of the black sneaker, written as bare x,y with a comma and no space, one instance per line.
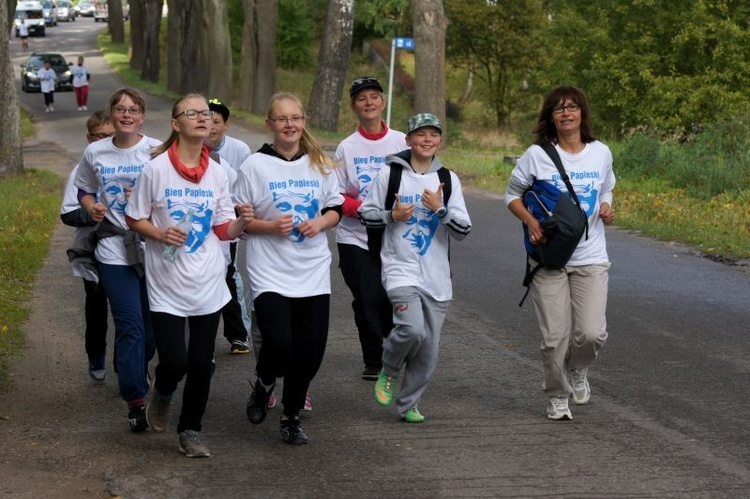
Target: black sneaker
292,433
371,373
239,347
257,404
137,419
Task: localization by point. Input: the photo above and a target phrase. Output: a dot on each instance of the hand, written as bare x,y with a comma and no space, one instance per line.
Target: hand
283,225
174,236
97,212
312,227
536,234
433,200
245,213
402,212
606,213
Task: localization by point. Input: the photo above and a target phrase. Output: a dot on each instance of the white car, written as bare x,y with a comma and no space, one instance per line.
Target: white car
86,8
65,11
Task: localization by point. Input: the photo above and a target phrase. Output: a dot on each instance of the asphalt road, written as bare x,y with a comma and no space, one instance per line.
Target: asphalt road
667,416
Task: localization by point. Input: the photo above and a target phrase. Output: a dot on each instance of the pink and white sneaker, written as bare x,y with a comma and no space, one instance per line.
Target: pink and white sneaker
308,402
272,401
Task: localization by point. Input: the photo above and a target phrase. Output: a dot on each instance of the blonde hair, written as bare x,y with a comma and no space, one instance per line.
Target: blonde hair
97,119
308,145
163,147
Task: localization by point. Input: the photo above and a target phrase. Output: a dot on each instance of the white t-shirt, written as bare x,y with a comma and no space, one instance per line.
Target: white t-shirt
109,170
47,79
294,266
233,150
23,30
80,75
194,284
591,174
361,160
415,253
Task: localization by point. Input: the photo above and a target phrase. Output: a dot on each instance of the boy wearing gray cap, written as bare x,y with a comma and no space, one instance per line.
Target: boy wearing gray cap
428,207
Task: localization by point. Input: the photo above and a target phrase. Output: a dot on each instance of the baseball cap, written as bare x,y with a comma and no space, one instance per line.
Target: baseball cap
217,106
363,83
422,120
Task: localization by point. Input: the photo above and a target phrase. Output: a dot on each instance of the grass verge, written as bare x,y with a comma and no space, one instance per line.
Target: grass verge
29,203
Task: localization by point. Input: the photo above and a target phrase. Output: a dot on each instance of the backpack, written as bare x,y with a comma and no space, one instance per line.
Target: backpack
561,217
375,234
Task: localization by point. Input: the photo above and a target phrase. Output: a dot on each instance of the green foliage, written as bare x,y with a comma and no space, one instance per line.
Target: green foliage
296,33
29,204
381,19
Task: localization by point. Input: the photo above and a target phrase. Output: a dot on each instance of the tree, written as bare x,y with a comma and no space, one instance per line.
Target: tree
10,139
333,60
137,15
175,28
430,25
151,27
498,43
257,73
115,21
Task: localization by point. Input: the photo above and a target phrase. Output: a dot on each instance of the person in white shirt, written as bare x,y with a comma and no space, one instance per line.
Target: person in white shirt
47,78
295,194
182,178
416,267
98,127
23,33
571,302
362,155
81,78
107,173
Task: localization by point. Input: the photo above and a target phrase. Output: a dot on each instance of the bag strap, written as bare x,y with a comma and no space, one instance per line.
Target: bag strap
445,178
549,148
394,182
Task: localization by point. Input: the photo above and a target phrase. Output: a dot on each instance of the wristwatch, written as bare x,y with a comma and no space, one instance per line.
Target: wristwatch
442,212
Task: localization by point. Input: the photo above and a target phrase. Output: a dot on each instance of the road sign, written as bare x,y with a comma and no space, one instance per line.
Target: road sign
404,43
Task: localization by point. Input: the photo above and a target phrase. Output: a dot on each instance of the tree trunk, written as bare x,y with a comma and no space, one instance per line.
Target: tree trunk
333,60
116,28
248,55
10,139
219,44
151,25
264,77
175,24
192,49
430,25
137,15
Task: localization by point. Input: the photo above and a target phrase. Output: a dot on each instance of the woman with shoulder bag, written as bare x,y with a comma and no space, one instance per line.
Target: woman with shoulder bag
570,302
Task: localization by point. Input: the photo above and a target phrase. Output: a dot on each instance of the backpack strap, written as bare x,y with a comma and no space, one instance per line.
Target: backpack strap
394,182
444,175
549,148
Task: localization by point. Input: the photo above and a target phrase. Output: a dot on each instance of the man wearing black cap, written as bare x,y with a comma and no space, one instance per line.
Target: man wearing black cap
362,154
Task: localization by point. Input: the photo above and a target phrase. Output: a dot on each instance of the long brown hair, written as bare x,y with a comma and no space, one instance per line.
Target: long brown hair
163,147
545,131
308,145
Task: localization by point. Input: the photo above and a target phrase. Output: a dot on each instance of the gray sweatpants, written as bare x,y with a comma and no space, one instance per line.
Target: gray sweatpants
413,343
571,306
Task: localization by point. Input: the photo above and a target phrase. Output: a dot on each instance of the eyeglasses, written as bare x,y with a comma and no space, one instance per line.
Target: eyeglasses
288,119
101,136
571,108
192,114
134,111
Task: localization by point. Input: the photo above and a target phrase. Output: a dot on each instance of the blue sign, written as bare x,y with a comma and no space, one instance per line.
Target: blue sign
404,43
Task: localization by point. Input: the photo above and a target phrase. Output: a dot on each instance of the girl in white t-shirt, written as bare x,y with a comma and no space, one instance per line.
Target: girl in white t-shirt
107,173
295,194
181,178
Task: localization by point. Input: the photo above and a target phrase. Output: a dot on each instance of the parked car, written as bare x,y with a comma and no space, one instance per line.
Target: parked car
101,12
31,13
29,79
86,8
49,8
65,11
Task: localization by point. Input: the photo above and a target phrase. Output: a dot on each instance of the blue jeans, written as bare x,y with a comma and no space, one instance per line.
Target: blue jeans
134,334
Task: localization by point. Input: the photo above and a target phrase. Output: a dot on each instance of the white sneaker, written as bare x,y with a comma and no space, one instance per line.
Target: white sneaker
80,108
580,384
85,108
558,408
46,110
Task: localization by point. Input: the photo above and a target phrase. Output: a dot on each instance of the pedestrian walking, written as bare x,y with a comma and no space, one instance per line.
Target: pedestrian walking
291,185
362,154
47,78
23,33
181,178
107,173
81,77
571,302
98,127
428,208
